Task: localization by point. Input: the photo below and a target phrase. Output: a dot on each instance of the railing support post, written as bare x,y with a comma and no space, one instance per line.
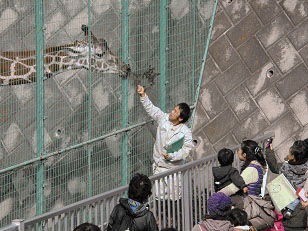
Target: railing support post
186,199
19,223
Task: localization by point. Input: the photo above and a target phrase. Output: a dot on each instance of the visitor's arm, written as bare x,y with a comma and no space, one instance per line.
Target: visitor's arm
272,161
250,175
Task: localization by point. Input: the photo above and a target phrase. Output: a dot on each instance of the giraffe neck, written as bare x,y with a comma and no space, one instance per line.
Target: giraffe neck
20,67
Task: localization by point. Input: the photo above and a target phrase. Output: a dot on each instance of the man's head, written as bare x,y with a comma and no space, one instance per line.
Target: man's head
140,188
180,114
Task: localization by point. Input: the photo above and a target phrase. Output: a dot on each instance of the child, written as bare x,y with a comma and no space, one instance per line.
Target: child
225,174
294,170
239,219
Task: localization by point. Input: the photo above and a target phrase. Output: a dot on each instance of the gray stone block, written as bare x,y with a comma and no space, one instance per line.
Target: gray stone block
297,10
284,55
303,133
241,103
210,71
200,118
203,147
221,24
284,129
266,10
275,30
227,142
74,90
259,81
236,10
253,54
282,150
293,81
244,30
232,77
73,7
304,53
299,104
53,23
220,126
251,127
299,37
212,100
223,53
272,104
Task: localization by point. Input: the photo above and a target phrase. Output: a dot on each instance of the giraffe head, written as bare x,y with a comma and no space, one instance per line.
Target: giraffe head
102,59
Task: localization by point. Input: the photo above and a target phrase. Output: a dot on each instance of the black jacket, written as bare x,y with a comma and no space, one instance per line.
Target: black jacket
142,218
225,175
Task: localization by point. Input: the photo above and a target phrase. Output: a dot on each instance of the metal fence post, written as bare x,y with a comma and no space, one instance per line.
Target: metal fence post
39,104
163,52
186,199
203,65
193,52
89,148
124,112
20,223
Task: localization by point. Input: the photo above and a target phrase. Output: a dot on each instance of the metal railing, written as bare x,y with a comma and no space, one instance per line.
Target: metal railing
183,202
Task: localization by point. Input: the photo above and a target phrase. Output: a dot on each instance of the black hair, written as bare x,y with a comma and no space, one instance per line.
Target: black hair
306,147
253,152
140,188
298,150
225,157
169,229
238,217
87,227
185,112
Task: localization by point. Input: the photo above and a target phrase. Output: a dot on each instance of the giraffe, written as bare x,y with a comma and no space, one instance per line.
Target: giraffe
20,67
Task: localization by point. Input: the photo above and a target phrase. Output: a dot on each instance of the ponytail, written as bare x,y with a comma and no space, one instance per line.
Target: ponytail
253,152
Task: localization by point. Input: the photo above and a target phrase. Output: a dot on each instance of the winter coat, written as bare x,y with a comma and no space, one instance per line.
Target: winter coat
213,225
295,172
298,221
143,219
225,175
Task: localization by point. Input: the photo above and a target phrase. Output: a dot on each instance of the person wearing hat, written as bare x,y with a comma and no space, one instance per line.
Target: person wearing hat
219,206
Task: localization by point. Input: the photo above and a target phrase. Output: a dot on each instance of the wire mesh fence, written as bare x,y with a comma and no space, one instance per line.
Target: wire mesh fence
71,124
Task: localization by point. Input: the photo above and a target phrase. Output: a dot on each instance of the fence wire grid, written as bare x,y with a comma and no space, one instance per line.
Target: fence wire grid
71,124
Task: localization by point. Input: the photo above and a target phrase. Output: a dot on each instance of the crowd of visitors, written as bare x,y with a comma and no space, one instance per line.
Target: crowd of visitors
237,203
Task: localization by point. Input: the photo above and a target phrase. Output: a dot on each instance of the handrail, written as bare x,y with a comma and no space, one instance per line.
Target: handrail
117,191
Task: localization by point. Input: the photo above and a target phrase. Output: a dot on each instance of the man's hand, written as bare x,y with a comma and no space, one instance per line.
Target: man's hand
304,204
140,91
306,194
166,156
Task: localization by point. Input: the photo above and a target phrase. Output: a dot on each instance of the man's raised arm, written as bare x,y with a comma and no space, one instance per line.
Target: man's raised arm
153,111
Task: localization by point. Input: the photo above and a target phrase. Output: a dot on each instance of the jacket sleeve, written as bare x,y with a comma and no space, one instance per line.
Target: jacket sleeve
113,217
237,179
272,161
152,111
152,223
184,151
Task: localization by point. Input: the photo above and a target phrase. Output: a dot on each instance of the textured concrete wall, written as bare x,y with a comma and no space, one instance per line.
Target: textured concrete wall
237,100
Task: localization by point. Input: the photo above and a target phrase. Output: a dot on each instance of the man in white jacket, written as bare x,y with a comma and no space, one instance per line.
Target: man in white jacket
171,128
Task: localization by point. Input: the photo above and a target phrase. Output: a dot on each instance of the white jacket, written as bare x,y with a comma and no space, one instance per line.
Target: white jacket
167,134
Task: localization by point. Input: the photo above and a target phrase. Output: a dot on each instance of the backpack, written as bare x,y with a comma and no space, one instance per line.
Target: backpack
278,226
260,212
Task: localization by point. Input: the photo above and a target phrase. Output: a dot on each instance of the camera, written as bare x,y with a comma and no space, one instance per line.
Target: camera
268,142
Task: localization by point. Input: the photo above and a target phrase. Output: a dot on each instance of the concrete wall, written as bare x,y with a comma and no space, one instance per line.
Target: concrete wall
237,100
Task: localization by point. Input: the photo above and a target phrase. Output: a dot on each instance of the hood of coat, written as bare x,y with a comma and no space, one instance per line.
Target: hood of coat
299,169
216,225
220,172
135,208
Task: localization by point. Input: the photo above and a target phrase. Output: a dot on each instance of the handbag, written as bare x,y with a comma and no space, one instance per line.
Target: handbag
260,212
